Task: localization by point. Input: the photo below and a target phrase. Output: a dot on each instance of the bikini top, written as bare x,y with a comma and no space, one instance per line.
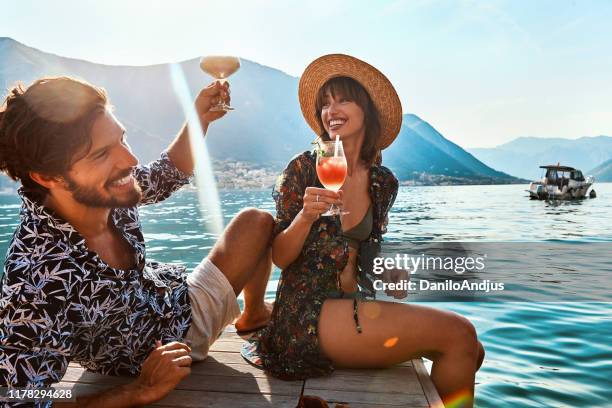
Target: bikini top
361,231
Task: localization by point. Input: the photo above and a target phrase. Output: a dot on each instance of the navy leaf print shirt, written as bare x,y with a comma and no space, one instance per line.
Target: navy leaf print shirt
60,302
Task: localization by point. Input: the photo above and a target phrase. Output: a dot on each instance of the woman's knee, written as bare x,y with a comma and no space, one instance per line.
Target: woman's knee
461,336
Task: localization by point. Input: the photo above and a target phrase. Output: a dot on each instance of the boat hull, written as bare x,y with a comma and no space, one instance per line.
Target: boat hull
539,191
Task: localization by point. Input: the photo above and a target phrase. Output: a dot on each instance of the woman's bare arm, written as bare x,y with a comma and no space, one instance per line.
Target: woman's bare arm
288,244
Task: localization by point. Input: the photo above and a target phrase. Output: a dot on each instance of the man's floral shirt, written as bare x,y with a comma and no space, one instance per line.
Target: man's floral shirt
60,302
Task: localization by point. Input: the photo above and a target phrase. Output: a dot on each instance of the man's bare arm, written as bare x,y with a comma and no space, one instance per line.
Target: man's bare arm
179,150
123,396
161,372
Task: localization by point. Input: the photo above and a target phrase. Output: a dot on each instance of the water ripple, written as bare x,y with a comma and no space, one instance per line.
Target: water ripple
538,354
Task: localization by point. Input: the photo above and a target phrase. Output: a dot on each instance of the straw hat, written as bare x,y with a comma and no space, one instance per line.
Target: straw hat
375,83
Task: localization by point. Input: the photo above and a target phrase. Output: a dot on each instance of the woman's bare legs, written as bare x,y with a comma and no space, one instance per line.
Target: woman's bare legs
395,332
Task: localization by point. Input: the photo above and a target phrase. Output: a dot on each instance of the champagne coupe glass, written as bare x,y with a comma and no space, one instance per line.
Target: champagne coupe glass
220,67
331,169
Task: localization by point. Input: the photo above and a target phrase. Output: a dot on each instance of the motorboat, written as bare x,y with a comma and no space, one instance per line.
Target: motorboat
561,183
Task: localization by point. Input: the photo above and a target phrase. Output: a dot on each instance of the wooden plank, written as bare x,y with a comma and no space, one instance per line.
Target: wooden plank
245,384
358,405
370,398
225,379
233,336
352,382
189,399
207,367
405,382
211,366
429,389
242,385
227,345
395,371
80,390
225,358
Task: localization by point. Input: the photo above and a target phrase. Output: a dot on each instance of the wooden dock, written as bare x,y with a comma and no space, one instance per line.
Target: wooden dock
224,379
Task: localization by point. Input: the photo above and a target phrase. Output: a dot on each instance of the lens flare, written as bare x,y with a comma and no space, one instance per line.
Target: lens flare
391,342
371,310
208,196
460,399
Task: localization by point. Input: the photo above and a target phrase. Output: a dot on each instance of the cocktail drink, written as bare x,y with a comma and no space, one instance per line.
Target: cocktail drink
220,67
332,172
331,169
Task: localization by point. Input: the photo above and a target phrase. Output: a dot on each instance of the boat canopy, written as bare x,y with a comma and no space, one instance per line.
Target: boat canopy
560,168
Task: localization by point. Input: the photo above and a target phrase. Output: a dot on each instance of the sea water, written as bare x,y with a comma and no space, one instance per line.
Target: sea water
539,354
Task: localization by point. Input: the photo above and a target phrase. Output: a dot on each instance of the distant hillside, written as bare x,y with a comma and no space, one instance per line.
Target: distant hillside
603,172
267,121
266,129
421,148
521,157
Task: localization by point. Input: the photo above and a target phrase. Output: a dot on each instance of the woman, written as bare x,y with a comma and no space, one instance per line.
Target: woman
321,319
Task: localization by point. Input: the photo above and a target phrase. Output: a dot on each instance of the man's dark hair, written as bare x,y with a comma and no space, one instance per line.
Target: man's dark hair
46,127
352,90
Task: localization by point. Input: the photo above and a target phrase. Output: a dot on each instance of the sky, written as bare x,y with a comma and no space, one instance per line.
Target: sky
481,72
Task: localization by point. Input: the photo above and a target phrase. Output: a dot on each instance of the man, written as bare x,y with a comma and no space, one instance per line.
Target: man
76,285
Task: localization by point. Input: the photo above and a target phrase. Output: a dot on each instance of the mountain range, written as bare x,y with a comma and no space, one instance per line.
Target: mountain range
266,129
523,156
603,172
420,148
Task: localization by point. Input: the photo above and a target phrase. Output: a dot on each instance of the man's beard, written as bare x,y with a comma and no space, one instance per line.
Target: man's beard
91,197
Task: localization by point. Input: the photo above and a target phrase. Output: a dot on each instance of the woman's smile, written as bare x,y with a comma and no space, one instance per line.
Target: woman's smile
335,124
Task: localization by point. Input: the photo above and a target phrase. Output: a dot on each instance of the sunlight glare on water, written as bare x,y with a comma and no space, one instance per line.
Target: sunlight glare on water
538,354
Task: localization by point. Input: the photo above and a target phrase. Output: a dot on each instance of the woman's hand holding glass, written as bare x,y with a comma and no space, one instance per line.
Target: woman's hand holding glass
331,168
317,201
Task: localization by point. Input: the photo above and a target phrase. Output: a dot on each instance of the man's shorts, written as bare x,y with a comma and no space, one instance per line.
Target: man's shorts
213,307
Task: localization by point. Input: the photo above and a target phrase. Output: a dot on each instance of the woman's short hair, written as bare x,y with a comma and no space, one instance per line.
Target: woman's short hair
352,90
46,127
